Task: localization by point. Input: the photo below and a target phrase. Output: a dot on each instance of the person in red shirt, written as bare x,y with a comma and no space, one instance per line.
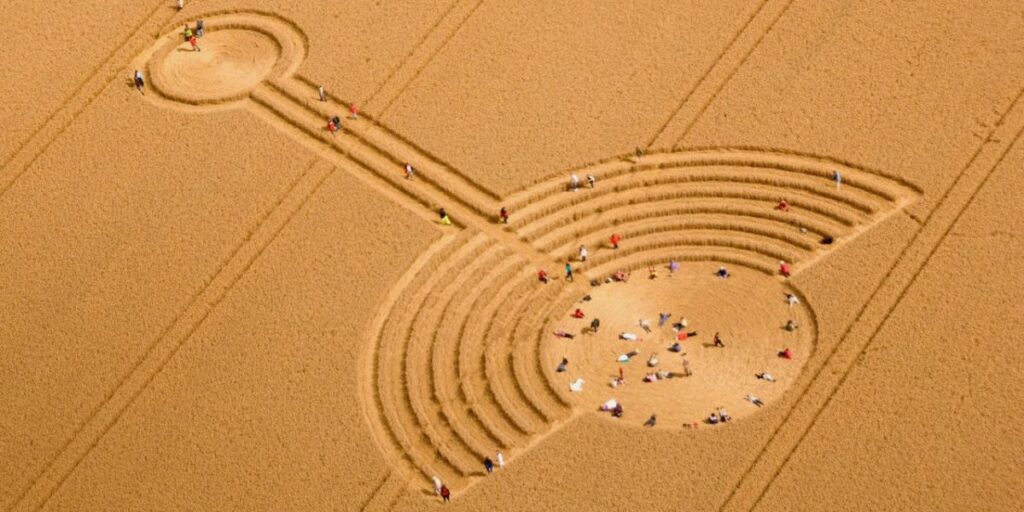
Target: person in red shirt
195,43
786,354
782,206
578,313
446,495
543,276
784,269
683,335
615,240
503,215
353,111
331,127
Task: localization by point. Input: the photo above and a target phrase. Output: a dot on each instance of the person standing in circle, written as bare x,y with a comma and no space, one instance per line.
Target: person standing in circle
140,83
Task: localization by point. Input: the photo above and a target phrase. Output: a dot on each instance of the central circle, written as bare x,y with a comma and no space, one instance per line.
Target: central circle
230,63
748,309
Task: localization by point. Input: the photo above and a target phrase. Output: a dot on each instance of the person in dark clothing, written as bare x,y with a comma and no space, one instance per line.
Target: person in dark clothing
445,493
594,325
488,464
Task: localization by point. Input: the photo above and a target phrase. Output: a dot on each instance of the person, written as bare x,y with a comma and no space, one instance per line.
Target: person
489,464
792,300
576,386
337,121
322,94
594,325
140,83
331,126
181,4
754,400
574,182
724,416
445,219
617,411
683,335
645,325
662,318
827,240
680,325
353,111
568,271
722,273
503,215
195,44
409,171
790,325
583,253
609,405
713,419
787,353
445,493
615,239
200,28
653,360
651,421
627,336
501,460
638,152
621,276
652,273
783,206
188,33
765,376
591,180
627,357
718,341
543,276
838,178
686,368
562,366
784,269
565,334
675,347
673,266
578,313
437,485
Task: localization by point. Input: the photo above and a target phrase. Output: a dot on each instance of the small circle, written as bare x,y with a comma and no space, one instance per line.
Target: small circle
228,64
748,309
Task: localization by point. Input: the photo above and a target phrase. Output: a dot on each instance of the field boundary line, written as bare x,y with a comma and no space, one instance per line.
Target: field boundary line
72,96
156,356
707,72
717,88
910,253
415,48
430,58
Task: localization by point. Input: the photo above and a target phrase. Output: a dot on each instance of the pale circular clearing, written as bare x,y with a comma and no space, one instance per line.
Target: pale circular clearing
230,63
748,309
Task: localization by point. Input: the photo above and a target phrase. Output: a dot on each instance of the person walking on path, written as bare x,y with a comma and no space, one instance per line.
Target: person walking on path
784,269
838,178
437,485
595,324
559,369
615,239
446,495
718,341
187,33
353,111
488,464
568,271
591,180
574,183
331,126
200,28
445,219
583,253
792,300
195,44
662,318
543,276
501,461
321,93
409,169
503,215
651,421
140,83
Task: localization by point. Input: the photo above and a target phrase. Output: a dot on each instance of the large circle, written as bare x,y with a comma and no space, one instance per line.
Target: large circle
230,62
749,310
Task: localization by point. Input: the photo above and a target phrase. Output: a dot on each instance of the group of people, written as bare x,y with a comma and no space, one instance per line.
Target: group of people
445,493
